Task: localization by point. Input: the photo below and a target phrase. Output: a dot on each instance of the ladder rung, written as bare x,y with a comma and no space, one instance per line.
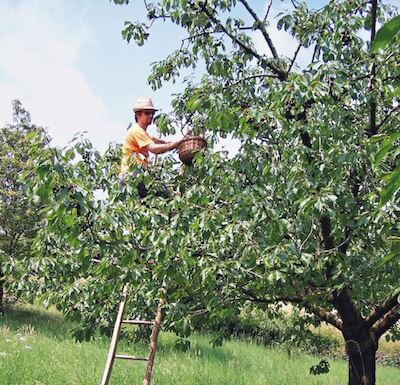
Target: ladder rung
137,322
133,358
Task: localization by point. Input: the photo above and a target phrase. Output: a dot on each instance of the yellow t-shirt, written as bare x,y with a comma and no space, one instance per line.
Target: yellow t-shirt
135,141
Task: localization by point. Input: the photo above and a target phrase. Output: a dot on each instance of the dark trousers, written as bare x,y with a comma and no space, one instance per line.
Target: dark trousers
142,190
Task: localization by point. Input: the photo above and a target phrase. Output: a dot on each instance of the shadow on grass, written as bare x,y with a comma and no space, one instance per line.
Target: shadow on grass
50,323
44,322
201,349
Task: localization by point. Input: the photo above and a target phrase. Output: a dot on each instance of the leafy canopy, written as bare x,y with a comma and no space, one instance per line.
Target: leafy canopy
295,217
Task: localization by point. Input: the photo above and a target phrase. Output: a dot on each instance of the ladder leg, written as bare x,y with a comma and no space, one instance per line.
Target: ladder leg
153,343
114,339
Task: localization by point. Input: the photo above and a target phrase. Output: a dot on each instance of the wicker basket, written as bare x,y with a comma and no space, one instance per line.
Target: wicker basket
189,147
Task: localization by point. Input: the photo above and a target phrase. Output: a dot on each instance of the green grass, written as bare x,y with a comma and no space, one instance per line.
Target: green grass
36,349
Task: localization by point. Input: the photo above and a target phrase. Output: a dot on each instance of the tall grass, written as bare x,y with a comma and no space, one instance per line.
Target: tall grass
36,349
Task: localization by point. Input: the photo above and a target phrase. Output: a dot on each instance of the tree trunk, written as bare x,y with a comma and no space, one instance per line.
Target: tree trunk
361,347
361,341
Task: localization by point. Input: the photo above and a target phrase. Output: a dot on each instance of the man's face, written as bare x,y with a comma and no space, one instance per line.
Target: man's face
145,117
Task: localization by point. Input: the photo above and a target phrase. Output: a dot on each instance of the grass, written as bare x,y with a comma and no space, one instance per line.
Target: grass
36,349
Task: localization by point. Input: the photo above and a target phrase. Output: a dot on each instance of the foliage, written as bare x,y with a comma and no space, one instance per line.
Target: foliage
384,38
19,218
321,368
386,34
295,217
279,329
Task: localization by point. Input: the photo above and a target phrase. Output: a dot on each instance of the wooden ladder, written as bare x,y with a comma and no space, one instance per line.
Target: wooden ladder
115,337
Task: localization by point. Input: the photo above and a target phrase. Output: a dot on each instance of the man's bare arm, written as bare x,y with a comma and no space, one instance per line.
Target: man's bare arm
160,148
158,140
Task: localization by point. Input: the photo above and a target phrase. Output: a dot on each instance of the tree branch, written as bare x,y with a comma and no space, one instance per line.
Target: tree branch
345,244
346,308
394,110
294,58
384,308
261,27
254,298
295,3
267,12
328,317
321,313
246,48
389,320
254,77
316,51
326,230
281,74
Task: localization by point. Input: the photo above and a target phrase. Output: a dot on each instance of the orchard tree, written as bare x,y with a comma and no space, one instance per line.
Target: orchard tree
296,217
19,218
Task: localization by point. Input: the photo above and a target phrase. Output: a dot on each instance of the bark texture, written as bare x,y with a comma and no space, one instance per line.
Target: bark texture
361,347
361,341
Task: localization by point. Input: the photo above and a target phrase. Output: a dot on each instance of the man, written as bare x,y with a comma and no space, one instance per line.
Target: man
138,143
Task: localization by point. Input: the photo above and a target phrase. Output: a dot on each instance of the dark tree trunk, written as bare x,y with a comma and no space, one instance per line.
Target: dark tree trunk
361,341
361,347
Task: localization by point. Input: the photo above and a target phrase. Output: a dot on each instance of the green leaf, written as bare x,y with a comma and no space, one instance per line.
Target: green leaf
385,147
194,103
386,34
391,187
388,257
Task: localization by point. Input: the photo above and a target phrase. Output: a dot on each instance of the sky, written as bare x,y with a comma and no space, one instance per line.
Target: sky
66,61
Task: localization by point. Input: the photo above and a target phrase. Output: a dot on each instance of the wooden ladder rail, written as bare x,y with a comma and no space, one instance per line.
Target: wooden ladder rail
115,336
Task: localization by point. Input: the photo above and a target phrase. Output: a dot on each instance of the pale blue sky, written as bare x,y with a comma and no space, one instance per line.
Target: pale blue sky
67,63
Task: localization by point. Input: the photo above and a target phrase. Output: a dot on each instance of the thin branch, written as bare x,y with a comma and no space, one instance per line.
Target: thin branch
200,34
390,56
245,28
294,58
254,77
384,308
261,27
254,298
281,74
338,247
267,12
316,51
233,37
198,312
394,110
343,246
308,237
204,33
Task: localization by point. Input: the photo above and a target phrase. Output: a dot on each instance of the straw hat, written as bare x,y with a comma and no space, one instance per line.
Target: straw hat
143,104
